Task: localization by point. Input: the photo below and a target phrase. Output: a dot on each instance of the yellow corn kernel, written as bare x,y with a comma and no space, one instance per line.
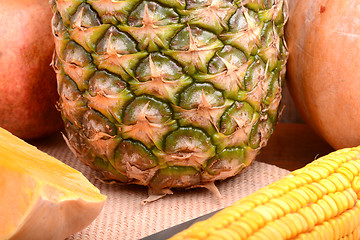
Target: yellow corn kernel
254,218
280,189
246,205
346,172
326,208
266,213
340,181
278,210
303,174
323,172
225,234
252,224
353,166
244,226
312,174
317,189
328,185
311,195
241,233
297,222
332,204
328,230
234,212
319,212
258,236
256,199
283,228
337,227
289,201
267,232
298,180
287,181
299,197
291,225
347,154
354,235
319,232
269,193
281,204
304,193
355,184
284,186
329,167
350,196
309,215
225,219
334,163
302,236
297,201
337,159
219,222
215,238
340,200
198,234
349,224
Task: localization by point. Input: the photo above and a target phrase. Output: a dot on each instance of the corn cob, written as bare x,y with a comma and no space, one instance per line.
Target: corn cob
318,201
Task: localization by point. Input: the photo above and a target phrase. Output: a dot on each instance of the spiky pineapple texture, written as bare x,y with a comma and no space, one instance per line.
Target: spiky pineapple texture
169,93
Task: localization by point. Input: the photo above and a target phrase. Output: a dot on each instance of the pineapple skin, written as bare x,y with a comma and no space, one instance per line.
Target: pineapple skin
169,93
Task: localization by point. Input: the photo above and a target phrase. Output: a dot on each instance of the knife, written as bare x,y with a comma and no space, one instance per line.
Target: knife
167,233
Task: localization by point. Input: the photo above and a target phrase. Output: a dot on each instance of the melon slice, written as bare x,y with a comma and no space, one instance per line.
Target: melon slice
41,197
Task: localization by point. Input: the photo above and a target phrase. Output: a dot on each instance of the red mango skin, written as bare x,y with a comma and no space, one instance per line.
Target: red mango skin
28,91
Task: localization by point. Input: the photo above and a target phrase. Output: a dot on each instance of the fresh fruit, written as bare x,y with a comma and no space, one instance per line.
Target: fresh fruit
27,82
169,94
318,201
323,42
41,197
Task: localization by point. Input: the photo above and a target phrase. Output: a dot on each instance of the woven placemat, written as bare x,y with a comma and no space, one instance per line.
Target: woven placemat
125,217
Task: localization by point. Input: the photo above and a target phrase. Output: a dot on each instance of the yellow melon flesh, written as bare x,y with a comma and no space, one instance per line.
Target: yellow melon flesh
41,197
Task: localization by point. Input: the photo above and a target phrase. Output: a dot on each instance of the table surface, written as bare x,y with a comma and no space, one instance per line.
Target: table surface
292,146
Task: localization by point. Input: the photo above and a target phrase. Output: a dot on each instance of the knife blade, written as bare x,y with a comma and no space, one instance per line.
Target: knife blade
169,232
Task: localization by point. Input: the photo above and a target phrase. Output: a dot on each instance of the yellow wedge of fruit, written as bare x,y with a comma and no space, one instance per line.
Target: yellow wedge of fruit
41,197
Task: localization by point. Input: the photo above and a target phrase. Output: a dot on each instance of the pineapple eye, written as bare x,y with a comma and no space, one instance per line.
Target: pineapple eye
167,68
58,25
106,83
228,162
154,110
238,21
198,94
254,5
236,117
117,41
94,124
228,55
137,155
183,40
75,54
151,12
84,17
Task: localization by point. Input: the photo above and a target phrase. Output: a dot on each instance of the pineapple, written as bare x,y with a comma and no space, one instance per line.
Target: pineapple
169,93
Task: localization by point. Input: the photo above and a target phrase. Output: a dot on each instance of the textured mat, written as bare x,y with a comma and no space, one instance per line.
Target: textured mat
125,217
